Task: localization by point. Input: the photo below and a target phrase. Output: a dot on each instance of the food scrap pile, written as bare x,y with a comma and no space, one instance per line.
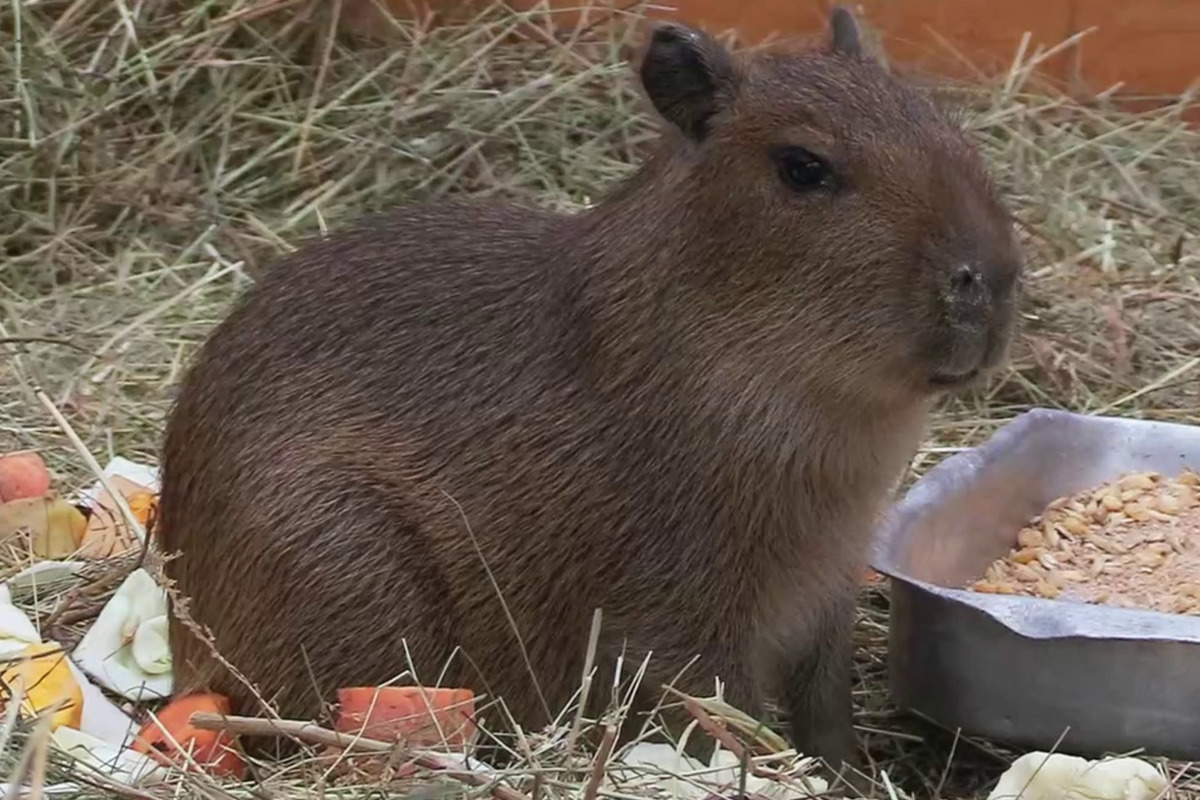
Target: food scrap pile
1133,542
98,692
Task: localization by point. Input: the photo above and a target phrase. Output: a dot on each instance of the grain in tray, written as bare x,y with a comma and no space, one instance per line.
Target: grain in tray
1133,542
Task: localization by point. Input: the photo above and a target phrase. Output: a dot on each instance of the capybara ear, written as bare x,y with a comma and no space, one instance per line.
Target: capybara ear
688,76
844,38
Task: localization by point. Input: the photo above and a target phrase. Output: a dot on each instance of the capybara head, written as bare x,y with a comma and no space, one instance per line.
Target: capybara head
836,215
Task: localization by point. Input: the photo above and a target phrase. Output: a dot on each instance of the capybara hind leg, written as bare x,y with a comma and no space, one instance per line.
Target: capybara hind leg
355,599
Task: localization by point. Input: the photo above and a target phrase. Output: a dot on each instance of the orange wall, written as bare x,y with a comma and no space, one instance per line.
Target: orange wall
1152,46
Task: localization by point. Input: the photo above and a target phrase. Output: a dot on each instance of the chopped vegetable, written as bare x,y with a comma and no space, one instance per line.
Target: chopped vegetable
419,716
23,475
108,534
16,631
214,751
54,526
42,679
126,648
1057,776
104,757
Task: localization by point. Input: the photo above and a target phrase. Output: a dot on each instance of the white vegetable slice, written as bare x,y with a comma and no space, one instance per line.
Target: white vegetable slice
1056,776
107,651
16,631
114,761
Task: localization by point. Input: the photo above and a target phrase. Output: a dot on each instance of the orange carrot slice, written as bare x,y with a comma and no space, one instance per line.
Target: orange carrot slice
212,750
419,716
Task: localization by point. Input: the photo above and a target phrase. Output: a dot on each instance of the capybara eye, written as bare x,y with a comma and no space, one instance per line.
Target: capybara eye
802,170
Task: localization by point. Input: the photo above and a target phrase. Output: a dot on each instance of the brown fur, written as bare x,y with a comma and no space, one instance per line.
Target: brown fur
683,406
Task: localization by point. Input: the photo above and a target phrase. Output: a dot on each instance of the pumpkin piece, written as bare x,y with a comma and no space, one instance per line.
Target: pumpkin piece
107,532
55,527
22,475
211,750
42,678
143,504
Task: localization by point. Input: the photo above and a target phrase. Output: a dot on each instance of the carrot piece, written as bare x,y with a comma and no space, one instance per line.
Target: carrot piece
419,716
213,750
414,716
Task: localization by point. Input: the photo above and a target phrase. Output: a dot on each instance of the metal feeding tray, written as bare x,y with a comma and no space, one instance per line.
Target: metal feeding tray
1030,672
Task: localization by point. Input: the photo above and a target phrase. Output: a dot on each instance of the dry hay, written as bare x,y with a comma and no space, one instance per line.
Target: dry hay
156,154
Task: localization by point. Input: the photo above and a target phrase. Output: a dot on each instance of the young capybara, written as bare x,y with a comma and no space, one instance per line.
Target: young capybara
468,425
